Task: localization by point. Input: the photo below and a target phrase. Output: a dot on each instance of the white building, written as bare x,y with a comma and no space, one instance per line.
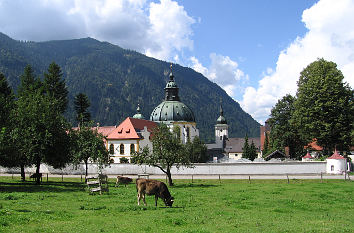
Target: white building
336,164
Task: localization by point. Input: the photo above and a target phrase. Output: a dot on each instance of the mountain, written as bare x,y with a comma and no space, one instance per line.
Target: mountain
116,80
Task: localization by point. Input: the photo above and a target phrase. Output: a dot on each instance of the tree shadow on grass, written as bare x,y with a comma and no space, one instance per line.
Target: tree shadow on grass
30,186
191,185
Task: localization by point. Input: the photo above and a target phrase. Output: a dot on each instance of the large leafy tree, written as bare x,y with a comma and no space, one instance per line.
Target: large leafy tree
88,144
167,151
82,104
324,108
54,86
283,131
40,130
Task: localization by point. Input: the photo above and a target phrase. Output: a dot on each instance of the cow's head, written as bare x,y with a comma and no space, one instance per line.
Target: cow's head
169,201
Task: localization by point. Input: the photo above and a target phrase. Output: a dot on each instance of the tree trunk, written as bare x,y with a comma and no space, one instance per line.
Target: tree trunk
86,167
169,176
38,178
23,175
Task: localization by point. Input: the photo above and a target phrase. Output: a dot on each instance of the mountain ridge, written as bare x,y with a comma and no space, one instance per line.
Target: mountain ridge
117,79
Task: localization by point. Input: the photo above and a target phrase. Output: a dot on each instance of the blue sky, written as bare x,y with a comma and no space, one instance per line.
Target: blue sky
253,49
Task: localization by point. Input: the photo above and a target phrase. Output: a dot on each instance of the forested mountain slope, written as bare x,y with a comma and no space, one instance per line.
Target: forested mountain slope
116,80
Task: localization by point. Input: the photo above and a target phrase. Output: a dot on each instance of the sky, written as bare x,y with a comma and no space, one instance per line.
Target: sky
255,49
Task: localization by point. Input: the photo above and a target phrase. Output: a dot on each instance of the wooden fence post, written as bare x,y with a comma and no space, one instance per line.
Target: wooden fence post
321,178
47,177
219,179
249,179
287,177
192,178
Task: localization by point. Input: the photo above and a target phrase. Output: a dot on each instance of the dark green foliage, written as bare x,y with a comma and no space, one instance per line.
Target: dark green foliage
283,132
167,151
124,160
249,151
28,82
116,80
82,104
266,147
54,86
6,101
324,108
39,130
197,151
87,143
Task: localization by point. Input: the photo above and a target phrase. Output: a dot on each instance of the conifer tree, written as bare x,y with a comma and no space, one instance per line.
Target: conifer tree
82,104
54,86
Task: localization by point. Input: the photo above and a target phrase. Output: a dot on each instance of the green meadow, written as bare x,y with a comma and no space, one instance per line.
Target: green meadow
201,206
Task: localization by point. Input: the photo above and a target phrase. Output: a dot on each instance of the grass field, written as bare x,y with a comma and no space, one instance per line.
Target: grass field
201,206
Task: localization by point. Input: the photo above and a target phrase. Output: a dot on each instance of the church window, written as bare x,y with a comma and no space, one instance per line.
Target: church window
132,148
121,149
332,168
111,149
188,134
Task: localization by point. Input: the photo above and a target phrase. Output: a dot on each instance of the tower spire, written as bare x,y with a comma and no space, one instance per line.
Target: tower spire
171,89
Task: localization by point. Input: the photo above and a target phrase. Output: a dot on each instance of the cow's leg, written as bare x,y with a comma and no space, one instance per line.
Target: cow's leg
156,197
139,198
117,184
144,199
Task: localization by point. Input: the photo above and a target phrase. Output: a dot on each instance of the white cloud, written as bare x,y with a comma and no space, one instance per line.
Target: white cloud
222,70
170,29
158,29
330,35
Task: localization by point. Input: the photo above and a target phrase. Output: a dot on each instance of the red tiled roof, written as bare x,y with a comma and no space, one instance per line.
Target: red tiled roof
336,156
129,128
307,156
104,130
313,145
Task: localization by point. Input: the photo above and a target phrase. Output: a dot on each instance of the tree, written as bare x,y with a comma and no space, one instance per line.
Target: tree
245,148
249,151
82,104
6,101
252,152
324,108
28,81
266,149
167,151
283,132
88,144
197,151
39,128
7,105
54,86
28,85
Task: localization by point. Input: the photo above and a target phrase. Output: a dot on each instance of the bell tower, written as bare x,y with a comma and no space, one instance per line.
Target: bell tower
221,129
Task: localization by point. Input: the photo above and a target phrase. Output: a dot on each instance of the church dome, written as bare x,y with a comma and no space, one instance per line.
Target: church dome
169,111
172,109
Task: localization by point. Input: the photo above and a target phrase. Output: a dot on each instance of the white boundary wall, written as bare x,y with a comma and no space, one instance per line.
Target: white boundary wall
253,168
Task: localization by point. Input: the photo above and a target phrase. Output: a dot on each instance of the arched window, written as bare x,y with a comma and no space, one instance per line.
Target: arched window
111,149
121,149
332,167
132,148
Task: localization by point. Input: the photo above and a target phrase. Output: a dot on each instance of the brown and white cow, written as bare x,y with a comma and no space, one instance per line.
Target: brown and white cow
123,180
153,187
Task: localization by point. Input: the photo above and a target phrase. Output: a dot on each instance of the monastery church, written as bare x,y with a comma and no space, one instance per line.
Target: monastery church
134,133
